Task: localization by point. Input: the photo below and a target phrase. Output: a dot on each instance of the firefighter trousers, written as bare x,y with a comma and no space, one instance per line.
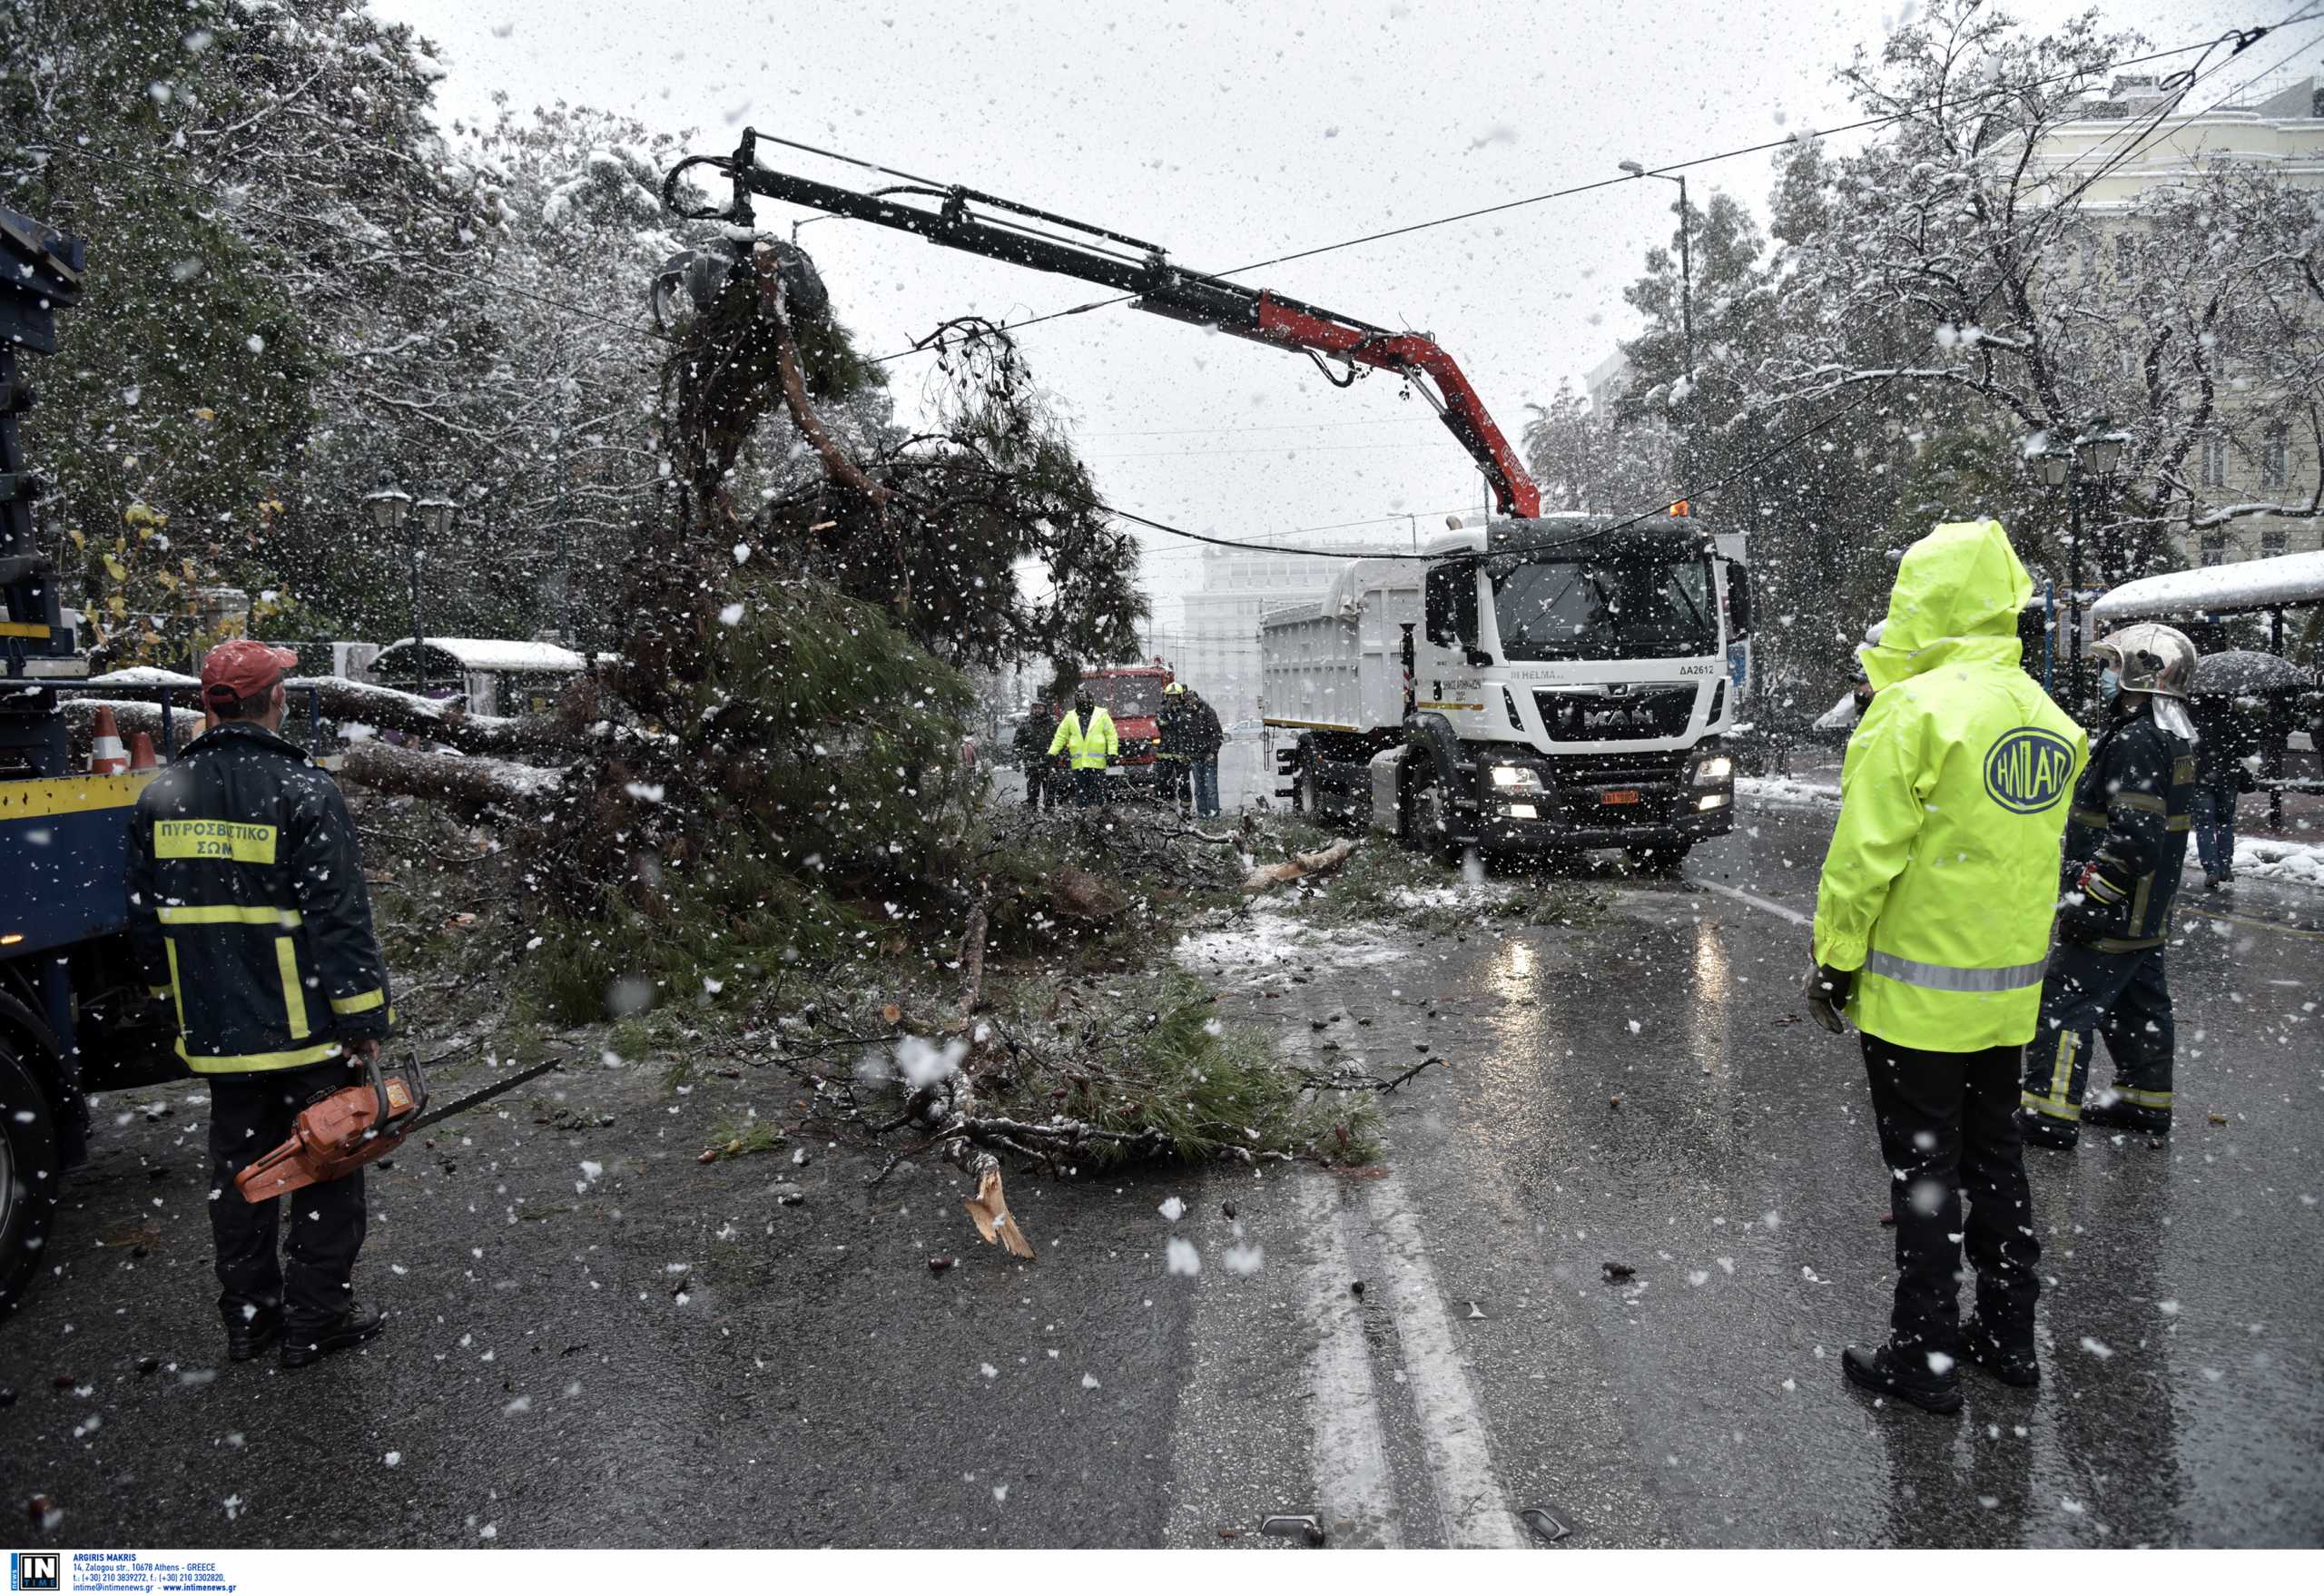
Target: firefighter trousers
251,1116
1948,1131
2123,997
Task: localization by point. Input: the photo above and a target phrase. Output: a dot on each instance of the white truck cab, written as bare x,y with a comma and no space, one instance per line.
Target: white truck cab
1550,683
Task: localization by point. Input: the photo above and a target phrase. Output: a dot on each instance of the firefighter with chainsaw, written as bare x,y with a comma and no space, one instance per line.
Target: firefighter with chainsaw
247,910
2126,846
1087,735
1932,925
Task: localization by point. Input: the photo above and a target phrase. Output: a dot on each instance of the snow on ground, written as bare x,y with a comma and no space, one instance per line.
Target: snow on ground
1791,789
1464,896
1268,940
2268,859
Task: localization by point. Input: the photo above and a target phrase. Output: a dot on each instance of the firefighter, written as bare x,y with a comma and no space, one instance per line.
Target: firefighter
1175,753
2124,847
1205,738
1032,744
1931,923
1087,735
247,909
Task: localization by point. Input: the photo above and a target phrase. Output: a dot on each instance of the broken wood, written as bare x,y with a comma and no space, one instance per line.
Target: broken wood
470,785
1299,866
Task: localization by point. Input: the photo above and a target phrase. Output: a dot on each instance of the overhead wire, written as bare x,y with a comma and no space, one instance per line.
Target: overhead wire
2245,36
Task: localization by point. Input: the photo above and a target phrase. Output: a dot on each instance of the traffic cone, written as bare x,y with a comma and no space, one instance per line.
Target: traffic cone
107,757
140,753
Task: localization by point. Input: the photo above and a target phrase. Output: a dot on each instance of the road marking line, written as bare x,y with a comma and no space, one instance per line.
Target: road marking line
1353,1484
1756,901
1474,1509
2279,929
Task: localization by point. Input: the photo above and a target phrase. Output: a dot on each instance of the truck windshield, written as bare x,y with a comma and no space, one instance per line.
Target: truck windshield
1125,696
1647,604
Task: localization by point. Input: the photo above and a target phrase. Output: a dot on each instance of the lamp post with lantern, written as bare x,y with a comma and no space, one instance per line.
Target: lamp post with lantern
2084,469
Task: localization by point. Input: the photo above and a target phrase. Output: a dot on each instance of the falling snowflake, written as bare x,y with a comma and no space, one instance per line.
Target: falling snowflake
1183,1258
1173,1209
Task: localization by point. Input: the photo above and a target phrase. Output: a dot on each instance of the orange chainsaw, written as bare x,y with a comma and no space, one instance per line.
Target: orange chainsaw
342,1131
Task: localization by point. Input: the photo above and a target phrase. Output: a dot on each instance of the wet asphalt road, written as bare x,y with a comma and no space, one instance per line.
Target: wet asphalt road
663,1355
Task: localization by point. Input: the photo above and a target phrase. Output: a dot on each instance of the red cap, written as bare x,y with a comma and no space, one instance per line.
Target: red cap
242,669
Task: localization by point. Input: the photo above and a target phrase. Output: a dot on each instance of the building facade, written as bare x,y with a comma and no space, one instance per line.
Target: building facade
1214,648
2278,131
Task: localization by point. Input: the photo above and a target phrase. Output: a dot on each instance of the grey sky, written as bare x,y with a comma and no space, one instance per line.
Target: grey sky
1233,133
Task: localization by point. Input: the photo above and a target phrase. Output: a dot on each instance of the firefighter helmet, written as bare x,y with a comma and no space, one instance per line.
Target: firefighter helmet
2150,657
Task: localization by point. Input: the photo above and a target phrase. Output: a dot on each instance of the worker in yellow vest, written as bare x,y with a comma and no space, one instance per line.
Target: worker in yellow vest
1932,928
1087,734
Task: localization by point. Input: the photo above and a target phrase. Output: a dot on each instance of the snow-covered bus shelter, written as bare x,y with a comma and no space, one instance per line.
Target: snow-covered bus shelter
500,675
2286,581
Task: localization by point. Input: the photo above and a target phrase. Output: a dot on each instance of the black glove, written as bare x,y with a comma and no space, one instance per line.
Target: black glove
1826,994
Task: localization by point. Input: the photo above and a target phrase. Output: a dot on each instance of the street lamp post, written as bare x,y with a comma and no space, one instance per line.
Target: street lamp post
2083,471
1686,260
435,527
389,506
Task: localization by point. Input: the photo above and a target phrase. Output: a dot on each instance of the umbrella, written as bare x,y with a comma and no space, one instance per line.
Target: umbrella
2237,671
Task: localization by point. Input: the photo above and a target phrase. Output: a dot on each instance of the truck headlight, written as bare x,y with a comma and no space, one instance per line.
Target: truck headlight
1517,778
1719,767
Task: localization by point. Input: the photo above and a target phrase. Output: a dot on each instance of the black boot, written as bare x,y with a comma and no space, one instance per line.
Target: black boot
2122,1114
2012,1366
248,1338
2040,1130
352,1328
1882,1370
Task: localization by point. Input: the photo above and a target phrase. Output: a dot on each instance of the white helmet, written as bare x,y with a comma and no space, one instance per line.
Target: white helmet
2150,657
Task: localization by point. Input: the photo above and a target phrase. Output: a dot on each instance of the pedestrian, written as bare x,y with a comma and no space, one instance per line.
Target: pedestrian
2227,746
1206,737
1032,745
1086,735
2126,846
247,909
1932,920
1175,747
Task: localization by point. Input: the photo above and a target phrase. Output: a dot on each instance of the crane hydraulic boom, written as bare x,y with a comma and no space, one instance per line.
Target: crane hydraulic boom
1002,230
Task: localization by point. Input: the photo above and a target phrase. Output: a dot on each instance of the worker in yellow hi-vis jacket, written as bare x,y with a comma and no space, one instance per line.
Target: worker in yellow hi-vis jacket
1087,735
1932,928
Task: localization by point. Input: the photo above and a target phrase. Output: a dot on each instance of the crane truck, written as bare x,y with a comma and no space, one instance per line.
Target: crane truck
1539,681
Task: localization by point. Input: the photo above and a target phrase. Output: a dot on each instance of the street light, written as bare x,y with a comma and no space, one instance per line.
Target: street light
1686,260
2083,471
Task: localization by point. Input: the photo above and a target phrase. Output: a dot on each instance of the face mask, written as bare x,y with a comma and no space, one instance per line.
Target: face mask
2109,684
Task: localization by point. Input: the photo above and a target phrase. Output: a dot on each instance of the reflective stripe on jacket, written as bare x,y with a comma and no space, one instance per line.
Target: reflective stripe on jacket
246,903
2131,819
1091,749
1941,881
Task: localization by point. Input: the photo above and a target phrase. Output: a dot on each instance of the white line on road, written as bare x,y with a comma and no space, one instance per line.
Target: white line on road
1452,1431
1353,1484
1756,901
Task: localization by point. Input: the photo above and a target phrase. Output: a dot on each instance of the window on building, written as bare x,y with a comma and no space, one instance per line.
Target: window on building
2214,548
2126,256
2273,453
2214,462
2273,541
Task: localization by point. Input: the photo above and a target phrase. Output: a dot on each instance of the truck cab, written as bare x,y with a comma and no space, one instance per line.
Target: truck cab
1537,684
1132,696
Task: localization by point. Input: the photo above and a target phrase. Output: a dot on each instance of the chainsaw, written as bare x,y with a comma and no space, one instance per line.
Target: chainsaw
342,1131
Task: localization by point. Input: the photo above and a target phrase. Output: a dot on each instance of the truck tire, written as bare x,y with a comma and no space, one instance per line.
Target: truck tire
1427,818
29,1177
1664,857
1309,797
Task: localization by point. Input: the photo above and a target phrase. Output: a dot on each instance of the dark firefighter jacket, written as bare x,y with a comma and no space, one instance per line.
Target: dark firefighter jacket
2130,819
246,905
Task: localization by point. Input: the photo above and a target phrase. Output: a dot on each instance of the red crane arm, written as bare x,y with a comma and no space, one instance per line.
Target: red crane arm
1107,258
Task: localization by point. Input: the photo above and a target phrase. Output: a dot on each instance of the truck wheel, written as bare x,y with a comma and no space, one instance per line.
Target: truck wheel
1428,821
28,1178
1310,796
1662,857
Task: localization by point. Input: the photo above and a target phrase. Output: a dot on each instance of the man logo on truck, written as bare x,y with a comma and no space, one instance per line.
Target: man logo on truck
2027,770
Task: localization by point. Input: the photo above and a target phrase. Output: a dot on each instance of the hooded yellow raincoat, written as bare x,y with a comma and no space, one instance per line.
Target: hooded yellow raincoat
1941,878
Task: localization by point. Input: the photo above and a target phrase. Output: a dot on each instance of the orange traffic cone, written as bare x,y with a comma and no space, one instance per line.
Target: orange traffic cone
107,757
140,753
